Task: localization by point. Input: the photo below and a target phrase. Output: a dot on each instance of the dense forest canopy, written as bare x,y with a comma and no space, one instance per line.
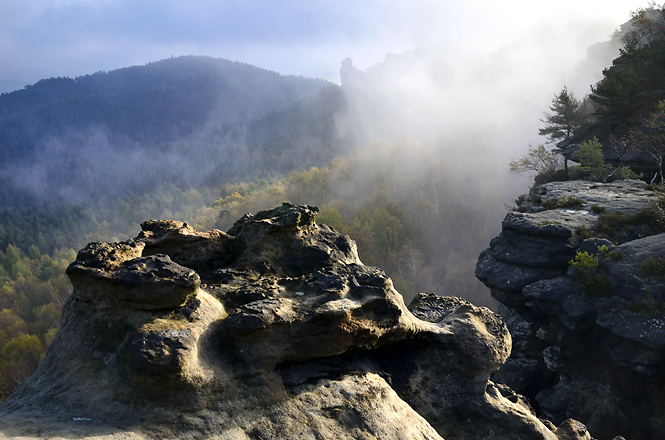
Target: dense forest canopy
158,102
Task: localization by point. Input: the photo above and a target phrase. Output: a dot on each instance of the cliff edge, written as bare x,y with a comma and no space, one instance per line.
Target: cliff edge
579,268
272,330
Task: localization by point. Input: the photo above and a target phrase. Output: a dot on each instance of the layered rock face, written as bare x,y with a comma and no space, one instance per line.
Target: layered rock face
581,275
273,330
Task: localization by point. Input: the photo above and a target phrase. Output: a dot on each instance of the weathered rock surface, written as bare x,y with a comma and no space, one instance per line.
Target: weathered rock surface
274,330
587,347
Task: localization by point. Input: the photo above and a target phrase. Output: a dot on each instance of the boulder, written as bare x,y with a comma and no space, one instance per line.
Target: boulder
152,282
274,329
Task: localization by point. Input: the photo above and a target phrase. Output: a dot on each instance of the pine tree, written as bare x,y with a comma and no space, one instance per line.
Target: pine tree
567,116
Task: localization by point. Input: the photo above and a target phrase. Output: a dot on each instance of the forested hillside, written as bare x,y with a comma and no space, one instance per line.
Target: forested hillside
177,120
159,102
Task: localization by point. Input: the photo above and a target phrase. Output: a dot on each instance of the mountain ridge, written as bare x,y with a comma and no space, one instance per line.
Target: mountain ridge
173,117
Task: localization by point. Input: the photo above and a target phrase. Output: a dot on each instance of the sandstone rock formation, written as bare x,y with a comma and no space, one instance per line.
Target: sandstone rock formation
274,330
588,341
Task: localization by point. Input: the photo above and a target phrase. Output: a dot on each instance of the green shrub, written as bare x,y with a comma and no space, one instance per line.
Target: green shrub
658,208
658,187
584,232
610,221
646,217
620,228
615,255
595,285
569,202
624,173
551,176
654,267
592,283
520,200
562,202
592,161
584,263
647,304
593,167
597,209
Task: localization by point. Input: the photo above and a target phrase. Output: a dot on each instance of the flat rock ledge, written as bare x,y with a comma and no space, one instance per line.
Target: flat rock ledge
272,330
588,347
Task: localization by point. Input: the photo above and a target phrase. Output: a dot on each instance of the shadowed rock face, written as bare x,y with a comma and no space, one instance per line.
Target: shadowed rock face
591,348
273,330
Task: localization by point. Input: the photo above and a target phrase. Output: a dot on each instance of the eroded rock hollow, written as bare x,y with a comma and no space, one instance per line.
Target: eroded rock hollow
272,330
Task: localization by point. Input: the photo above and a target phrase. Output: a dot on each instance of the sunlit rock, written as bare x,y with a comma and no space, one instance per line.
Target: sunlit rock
274,329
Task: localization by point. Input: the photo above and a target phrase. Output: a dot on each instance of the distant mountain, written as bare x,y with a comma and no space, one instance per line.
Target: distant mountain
175,119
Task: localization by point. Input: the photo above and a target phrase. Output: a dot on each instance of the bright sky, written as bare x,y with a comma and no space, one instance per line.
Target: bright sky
45,38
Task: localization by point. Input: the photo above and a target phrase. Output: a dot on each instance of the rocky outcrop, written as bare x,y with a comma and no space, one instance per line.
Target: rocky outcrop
273,330
580,273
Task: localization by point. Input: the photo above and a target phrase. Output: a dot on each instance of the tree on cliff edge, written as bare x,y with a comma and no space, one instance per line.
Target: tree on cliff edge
566,117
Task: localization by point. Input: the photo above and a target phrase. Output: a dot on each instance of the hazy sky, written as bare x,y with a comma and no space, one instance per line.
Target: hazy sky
44,38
